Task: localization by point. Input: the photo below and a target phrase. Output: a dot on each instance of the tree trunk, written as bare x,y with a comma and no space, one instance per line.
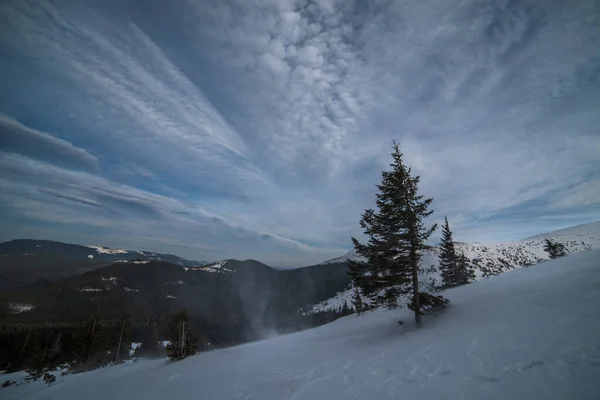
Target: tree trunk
26,340
415,278
183,338
120,340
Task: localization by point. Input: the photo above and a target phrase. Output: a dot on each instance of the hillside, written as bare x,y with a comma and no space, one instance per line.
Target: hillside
24,262
490,259
531,333
231,301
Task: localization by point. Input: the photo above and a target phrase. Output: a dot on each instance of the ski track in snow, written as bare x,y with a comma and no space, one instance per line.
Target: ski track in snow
527,334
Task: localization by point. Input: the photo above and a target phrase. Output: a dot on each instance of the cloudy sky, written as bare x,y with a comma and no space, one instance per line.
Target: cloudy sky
258,128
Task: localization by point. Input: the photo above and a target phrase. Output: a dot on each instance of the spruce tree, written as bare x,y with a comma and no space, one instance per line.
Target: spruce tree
465,272
182,340
397,236
447,257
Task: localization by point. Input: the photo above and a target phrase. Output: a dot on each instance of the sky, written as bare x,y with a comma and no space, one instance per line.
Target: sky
217,129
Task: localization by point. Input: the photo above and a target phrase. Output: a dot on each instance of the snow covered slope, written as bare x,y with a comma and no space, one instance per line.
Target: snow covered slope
531,333
489,259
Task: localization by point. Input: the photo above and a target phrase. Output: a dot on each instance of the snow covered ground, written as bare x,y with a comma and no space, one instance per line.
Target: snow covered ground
530,333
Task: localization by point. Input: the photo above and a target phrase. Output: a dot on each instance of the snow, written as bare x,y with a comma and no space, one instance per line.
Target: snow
134,347
216,267
106,250
91,256
351,255
530,333
128,289
89,289
20,307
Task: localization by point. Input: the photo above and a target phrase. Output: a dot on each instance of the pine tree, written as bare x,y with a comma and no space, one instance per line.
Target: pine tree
397,236
448,258
465,272
182,341
554,249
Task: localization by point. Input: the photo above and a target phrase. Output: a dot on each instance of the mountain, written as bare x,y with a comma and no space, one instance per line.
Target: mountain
489,258
232,301
349,256
25,262
531,333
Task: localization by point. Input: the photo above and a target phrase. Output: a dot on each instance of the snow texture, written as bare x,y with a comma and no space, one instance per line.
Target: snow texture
216,267
351,255
530,333
20,307
106,250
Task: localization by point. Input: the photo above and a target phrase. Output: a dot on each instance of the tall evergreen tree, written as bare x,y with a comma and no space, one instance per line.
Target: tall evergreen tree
447,257
397,236
182,340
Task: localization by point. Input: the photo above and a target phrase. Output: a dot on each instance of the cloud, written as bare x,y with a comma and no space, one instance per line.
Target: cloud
74,199
18,138
69,197
261,127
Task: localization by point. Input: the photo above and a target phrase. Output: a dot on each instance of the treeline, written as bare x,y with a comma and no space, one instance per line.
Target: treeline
103,340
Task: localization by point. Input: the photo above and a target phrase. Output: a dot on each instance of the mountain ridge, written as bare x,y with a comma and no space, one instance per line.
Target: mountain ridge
489,259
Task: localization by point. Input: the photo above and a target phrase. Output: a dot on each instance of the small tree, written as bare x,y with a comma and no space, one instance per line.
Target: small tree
357,301
122,334
397,236
465,272
447,257
182,341
554,249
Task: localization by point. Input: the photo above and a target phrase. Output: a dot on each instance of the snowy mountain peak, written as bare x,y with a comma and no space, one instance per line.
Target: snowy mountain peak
349,256
106,250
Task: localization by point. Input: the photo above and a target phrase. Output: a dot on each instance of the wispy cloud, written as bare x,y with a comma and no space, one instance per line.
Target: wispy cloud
16,137
259,128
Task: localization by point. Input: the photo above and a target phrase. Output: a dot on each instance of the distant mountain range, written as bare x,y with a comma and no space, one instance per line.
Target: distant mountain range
233,301
51,283
25,262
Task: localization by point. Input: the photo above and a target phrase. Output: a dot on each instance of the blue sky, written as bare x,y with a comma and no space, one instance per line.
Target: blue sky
258,128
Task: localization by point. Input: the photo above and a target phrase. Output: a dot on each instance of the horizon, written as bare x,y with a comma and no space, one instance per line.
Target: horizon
258,130
291,266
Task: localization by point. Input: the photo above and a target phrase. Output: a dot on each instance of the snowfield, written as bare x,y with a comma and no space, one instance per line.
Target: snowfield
530,333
